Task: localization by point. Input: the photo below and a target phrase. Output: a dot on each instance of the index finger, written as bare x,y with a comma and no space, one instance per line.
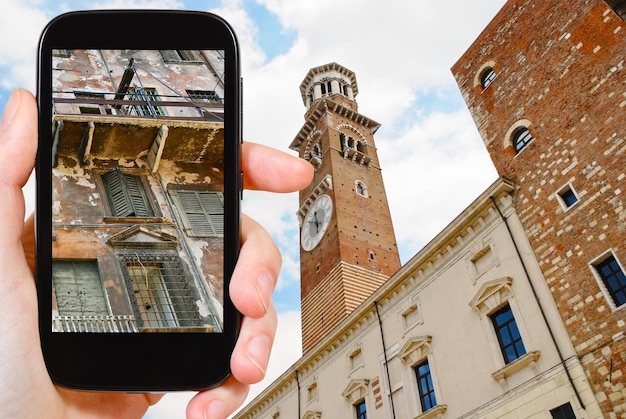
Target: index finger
271,170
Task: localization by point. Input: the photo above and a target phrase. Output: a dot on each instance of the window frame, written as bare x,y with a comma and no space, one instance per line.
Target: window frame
105,310
518,144
567,188
487,76
510,326
426,390
361,409
602,282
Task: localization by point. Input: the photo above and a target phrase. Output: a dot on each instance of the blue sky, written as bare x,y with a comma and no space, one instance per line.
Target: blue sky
433,161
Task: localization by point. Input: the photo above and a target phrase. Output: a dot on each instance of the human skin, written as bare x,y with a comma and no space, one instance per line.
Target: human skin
26,390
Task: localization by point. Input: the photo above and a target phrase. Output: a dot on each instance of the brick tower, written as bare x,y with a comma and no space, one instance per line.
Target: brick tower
546,87
348,246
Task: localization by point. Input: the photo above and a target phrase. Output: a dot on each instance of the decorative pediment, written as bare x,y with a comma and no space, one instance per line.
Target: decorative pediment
415,350
312,415
355,391
492,295
143,236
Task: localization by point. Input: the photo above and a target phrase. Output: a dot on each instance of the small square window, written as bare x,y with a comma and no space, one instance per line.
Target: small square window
567,196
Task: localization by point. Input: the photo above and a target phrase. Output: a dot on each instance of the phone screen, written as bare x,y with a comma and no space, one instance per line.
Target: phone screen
137,191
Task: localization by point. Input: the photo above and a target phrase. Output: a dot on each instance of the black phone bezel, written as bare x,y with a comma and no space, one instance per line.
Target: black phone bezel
138,362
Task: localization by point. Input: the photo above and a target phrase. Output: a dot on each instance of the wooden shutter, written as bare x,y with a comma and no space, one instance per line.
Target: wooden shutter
201,212
78,288
126,194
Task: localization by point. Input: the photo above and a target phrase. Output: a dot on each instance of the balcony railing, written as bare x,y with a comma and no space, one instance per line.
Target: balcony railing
139,106
94,324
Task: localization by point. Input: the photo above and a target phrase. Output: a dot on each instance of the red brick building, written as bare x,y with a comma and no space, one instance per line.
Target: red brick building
546,86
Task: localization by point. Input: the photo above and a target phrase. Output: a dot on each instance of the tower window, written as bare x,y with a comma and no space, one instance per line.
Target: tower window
360,189
612,275
487,77
521,139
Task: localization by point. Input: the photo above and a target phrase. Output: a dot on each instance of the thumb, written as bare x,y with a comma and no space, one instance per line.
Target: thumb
18,147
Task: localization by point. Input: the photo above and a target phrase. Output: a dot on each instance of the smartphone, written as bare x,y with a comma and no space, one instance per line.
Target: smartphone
138,199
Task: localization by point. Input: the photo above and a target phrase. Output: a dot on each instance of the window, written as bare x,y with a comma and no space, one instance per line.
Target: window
78,288
508,334
204,96
201,212
563,412
521,138
179,55
425,386
361,411
487,77
61,52
148,95
567,196
159,290
613,277
126,195
360,189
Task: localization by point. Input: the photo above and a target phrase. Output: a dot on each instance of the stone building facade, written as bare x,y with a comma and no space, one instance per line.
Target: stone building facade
137,191
465,329
546,86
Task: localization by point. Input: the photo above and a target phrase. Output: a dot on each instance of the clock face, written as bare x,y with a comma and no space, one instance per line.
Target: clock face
316,222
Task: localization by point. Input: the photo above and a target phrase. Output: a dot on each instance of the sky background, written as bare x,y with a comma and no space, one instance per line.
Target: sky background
433,161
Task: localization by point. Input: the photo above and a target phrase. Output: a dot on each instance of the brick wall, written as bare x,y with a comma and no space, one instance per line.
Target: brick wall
560,72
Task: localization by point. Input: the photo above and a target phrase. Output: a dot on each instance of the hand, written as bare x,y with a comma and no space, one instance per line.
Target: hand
25,387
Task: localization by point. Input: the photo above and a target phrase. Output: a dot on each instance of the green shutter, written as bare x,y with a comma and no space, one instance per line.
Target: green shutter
201,212
78,288
126,194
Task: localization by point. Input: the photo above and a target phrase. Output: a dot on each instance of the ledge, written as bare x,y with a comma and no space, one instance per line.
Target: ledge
520,363
435,412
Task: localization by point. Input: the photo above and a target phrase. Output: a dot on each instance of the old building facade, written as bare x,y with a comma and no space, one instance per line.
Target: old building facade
547,89
137,191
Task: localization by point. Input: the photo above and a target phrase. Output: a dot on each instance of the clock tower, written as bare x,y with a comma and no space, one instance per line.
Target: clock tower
347,243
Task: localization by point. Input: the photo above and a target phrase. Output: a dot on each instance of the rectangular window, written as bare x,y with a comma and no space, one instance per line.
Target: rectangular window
78,288
425,386
508,334
613,278
178,55
126,194
563,412
567,196
150,97
204,96
202,212
159,290
361,410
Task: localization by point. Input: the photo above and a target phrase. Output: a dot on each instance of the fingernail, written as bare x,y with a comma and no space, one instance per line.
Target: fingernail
265,286
10,110
215,410
258,352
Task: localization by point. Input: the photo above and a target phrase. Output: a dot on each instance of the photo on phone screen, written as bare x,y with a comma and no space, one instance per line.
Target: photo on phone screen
137,191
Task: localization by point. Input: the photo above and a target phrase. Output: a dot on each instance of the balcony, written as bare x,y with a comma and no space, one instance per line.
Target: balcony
94,324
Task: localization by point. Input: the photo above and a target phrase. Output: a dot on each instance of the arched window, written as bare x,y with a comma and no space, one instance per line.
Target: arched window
360,189
487,77
521,138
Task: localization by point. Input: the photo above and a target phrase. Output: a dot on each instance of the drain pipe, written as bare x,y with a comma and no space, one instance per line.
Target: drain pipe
543,314
298,384
382,337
